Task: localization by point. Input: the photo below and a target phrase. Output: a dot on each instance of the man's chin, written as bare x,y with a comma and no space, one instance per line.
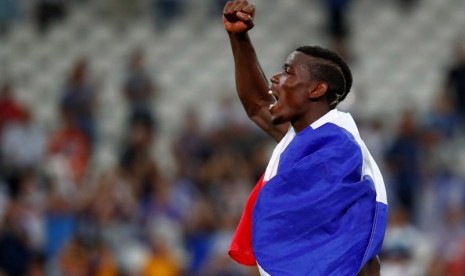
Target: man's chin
277,120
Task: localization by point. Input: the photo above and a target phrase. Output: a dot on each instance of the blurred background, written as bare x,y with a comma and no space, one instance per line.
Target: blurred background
124,150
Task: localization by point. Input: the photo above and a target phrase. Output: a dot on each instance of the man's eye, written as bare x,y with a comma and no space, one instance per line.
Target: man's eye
287,70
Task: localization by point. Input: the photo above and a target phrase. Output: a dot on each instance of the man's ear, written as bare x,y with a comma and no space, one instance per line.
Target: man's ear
317,90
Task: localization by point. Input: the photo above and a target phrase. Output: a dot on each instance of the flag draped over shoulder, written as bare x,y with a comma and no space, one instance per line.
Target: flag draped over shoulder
320,208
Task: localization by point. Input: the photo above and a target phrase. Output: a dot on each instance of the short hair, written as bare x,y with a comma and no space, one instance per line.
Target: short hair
331,68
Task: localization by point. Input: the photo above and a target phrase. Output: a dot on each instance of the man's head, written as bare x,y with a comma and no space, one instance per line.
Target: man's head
329,67
313,81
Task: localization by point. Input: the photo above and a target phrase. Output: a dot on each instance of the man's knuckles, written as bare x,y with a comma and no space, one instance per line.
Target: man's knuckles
231,17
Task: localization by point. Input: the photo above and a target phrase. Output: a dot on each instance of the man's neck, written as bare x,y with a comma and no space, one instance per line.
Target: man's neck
311,117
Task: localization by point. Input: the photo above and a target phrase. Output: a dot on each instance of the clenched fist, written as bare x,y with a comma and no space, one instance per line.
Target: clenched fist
238,16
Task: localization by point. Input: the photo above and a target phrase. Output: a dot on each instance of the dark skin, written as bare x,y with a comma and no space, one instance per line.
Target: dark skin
293,85
293,96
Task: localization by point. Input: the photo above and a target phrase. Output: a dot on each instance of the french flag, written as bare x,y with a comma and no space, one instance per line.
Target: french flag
319,209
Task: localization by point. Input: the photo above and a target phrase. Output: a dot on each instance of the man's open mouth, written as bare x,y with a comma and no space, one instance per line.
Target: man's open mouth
274,96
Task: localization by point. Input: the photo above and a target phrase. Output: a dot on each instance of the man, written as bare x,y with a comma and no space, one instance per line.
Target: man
320,208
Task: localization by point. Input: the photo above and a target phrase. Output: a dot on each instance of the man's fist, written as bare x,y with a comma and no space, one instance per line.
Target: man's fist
238,16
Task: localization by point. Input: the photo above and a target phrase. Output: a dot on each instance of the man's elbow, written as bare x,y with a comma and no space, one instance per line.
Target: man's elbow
253,112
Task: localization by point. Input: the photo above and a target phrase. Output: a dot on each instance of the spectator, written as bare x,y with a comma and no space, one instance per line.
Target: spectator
73,259
15,252
455,82
37,265
199,227
32,199
165,11
48,12
106,211
70,146
450,244
138,87
79,99
405,249
22,143
402,158
136,160
190,147
442,116
10,109
61,220
164,256
9,12
78,258
338,26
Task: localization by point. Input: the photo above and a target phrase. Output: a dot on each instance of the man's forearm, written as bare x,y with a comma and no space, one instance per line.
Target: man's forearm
251,82
252,85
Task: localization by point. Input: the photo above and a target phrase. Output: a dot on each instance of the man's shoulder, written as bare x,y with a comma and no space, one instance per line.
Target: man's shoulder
328,137
332,132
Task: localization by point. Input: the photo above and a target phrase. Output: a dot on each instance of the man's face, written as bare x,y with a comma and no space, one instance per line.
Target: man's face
290,88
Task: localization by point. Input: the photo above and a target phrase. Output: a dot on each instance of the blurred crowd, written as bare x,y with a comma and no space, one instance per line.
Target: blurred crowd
60,216
46,13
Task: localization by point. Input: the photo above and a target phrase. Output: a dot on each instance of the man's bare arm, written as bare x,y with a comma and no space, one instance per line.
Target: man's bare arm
251,83
371,268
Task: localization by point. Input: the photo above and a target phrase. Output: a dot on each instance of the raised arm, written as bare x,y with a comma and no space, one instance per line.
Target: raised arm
251,83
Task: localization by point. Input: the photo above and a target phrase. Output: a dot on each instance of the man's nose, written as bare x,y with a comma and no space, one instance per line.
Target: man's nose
274,79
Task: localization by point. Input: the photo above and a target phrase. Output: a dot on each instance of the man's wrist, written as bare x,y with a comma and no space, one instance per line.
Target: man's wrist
242,36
